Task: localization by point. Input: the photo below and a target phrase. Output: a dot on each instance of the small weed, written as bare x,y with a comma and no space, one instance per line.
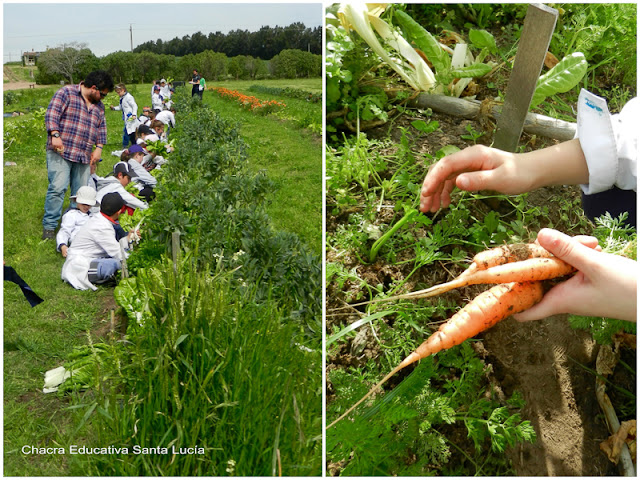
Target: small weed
473,134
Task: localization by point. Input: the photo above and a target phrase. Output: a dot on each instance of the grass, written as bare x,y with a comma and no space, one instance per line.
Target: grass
20,73
38,339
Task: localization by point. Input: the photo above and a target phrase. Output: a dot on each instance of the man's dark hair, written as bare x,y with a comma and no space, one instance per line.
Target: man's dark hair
101,79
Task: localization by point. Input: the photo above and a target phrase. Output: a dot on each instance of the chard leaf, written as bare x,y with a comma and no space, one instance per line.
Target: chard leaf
419,68
424,41
482,39
561,78
472,71
363,19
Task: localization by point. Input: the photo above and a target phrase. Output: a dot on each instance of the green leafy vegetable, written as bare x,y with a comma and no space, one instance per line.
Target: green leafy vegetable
561,78
364,19
160,147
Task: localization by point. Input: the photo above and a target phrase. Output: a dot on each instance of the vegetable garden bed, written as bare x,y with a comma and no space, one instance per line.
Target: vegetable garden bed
517,399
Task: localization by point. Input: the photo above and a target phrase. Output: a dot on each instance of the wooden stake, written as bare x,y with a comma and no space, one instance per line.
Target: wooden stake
534,43
175,248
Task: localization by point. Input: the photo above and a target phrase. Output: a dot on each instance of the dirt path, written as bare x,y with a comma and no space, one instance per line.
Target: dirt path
11,81
19,85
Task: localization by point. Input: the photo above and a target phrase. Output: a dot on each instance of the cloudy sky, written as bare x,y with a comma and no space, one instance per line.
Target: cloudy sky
105,28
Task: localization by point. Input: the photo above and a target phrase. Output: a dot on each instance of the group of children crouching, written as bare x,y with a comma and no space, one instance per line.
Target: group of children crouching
90,236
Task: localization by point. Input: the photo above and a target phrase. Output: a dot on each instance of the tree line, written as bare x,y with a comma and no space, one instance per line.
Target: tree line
264,44
72,62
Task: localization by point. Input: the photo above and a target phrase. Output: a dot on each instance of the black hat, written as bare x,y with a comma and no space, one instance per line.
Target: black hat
145,129
123,167
111,203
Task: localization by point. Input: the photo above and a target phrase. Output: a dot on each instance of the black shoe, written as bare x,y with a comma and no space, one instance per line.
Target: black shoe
48,234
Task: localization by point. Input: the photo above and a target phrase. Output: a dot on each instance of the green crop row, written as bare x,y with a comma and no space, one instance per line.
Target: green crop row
288,92
222,343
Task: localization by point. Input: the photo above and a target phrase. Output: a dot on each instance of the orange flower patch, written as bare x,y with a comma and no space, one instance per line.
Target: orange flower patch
249,102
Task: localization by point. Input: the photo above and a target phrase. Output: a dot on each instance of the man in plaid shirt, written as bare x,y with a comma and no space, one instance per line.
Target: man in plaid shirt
75,122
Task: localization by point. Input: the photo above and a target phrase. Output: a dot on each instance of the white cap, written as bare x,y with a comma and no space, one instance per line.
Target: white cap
85,195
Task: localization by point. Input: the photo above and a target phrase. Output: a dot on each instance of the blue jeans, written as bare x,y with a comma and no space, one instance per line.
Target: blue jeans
125,138
61,173
128,138
103,269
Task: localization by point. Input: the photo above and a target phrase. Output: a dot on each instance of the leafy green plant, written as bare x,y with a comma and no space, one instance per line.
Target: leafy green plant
223,367
161,147
24,130
561,78
462,65
425,127
409,421
473,134
605,34
288,92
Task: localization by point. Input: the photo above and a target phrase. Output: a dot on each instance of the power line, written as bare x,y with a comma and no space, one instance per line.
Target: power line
66,33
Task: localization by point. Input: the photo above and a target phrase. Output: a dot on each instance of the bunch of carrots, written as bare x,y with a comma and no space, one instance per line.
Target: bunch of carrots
517,272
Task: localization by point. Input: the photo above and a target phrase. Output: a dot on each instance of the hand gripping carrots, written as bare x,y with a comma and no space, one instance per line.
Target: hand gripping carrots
518,271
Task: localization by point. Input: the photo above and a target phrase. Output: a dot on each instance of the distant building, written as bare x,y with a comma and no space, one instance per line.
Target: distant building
29,58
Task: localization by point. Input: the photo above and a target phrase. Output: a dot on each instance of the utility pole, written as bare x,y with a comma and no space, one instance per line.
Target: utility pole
131,36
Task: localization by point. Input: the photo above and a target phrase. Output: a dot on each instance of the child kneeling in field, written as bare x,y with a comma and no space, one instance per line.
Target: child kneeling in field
74,218
95,256
144,181
122,176
151,160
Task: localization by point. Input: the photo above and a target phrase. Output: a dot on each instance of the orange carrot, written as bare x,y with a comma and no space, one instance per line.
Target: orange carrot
482,313
530,270
515,252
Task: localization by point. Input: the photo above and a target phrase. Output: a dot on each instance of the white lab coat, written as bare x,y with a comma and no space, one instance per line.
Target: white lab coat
129,109
95,239
167,117
609,143
156,102
71,222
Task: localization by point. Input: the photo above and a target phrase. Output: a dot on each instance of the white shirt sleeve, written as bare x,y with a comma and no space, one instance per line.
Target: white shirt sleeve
130,200
144,177
609,143
67,224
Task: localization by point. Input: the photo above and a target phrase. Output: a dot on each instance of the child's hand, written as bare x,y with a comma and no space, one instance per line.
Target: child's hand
483,168
134,236
63,250
474,168
605,285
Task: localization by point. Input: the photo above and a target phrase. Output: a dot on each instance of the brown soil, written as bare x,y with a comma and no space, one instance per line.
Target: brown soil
543,360
19,85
